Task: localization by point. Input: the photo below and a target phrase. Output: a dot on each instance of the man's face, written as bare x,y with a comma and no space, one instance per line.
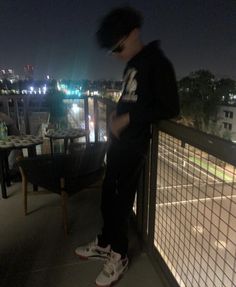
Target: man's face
123,49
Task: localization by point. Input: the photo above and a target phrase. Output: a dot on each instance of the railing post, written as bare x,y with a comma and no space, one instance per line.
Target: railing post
110,107
108,111
6,109
26,114
16,112
96,113
143,200
153,188
86,119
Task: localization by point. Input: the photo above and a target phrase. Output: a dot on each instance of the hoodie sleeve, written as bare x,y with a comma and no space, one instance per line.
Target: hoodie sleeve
164,101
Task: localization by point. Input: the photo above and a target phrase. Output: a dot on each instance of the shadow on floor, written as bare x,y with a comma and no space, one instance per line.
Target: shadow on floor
34,251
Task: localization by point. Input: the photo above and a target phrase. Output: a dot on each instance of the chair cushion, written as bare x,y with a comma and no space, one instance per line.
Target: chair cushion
44,170
82,167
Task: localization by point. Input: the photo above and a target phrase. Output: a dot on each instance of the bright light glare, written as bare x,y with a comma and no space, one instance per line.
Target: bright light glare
221,244
198,229
44,89
75,108
58,86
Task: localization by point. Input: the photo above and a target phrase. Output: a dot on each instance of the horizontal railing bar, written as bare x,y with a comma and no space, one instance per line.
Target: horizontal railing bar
213,145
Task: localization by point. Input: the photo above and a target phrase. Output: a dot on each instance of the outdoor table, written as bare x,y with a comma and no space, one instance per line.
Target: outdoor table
65,134
10,143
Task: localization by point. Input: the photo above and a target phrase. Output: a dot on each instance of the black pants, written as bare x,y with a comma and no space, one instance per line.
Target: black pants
119,187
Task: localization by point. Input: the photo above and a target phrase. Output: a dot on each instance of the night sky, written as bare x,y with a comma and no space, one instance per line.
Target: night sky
57,36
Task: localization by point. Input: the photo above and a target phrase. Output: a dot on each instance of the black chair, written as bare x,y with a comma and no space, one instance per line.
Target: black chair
64,174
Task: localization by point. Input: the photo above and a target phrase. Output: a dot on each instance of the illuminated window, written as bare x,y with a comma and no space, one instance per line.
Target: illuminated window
227,126
228,114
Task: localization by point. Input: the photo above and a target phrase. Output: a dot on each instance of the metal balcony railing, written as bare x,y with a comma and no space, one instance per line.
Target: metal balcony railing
31,111
187,210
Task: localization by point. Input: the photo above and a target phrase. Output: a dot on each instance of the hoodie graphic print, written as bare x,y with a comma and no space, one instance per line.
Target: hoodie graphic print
129,86
149,94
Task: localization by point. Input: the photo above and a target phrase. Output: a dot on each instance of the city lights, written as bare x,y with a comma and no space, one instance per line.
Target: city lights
75,108
69,91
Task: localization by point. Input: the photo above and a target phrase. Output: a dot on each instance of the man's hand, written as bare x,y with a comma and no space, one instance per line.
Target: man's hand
118,123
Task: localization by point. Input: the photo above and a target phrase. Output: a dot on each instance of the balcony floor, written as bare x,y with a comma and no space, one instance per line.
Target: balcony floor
34,251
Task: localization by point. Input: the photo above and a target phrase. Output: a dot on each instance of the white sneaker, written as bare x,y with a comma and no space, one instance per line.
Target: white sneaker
113,269
93,251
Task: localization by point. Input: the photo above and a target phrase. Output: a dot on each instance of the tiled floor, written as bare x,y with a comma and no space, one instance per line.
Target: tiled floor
34,251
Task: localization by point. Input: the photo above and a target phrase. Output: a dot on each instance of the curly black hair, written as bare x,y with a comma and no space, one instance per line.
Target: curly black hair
118,23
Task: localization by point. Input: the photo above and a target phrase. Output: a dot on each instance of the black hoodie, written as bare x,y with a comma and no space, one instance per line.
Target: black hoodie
149,94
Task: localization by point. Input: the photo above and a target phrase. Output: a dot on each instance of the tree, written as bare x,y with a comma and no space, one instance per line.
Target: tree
57,107
224,89
199,101
7,85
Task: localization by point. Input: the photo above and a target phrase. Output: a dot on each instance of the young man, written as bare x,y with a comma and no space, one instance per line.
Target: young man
149,94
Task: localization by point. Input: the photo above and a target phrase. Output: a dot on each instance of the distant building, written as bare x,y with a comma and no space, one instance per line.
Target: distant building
8,74
113,94
227,121
29,72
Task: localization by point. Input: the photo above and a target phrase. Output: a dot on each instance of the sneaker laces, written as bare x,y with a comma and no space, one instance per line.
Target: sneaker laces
110,265
91,244
109,268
